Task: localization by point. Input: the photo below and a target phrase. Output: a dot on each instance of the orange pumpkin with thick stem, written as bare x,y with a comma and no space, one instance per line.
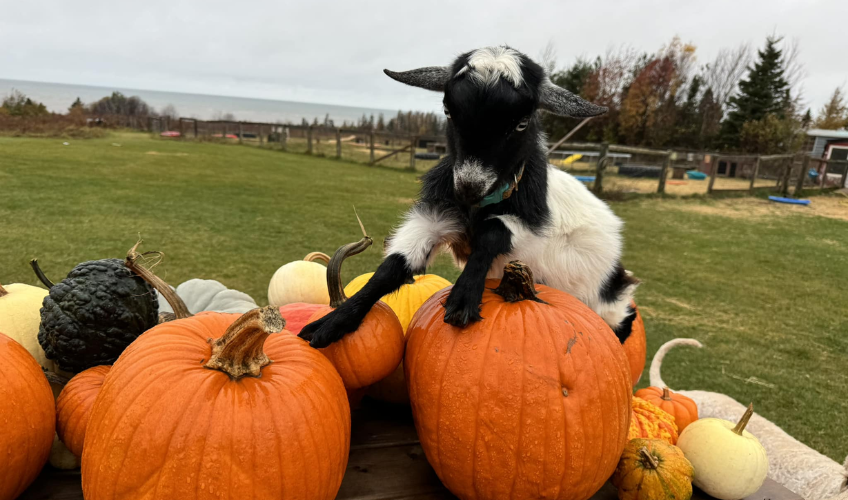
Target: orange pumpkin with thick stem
532,401
28,417
683,409
371,352
218,405
650,422
636,347
73,407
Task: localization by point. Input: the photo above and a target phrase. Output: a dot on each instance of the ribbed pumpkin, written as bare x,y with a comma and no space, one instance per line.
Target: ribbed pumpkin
405,303
533,401
27,416
650,422
73,407
245,415
682,408
300,281
636,347
375,349
651,469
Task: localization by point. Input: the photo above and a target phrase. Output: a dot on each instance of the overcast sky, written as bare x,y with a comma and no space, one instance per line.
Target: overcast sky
334,51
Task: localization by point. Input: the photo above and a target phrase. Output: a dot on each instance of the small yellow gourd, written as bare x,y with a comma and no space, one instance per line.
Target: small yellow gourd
405,302
652,469
730,463
300,281
20,315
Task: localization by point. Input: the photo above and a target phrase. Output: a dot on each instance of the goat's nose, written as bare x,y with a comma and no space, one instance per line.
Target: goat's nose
472,181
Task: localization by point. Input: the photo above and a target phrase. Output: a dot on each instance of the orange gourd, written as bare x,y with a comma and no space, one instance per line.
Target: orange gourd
651,469
371,352
405,302
636,347
650,422
73,407
533,401
683,409
28,417
218,405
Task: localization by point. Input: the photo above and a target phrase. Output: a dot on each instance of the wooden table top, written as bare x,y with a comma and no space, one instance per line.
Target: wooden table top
386,462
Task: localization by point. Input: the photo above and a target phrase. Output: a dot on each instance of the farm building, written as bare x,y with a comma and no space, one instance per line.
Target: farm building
827,144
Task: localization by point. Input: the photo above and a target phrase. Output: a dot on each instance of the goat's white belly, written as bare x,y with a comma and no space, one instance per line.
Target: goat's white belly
577,252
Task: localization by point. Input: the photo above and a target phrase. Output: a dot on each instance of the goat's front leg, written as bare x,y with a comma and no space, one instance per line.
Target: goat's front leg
491,239
409,251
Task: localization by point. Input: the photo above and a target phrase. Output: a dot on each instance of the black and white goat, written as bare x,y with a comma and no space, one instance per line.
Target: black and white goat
494,199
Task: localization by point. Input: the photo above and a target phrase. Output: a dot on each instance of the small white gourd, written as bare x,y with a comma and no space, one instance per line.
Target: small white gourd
300,281
730,463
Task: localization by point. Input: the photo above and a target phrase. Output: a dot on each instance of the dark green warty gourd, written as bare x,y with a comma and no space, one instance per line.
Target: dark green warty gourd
90,317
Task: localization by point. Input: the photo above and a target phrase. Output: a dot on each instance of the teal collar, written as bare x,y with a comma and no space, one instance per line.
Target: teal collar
503,192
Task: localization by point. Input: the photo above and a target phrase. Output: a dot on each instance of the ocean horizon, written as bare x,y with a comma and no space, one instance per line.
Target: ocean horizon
58,97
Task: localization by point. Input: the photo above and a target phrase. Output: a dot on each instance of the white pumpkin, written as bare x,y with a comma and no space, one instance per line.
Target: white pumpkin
20,315
730,463
300,281
209,295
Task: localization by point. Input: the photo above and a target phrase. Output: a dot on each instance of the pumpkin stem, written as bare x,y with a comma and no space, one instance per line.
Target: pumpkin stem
3,291
517,283
180,309
651,460
238,353
744,420
313,256
666,395
40,273
334,267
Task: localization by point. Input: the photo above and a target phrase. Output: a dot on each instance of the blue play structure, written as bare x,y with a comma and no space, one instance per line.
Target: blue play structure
585,178
696,175
813,174
791,201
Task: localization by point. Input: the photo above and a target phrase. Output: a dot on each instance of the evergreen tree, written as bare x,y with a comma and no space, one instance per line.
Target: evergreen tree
572,79
76,105
709,118
764,91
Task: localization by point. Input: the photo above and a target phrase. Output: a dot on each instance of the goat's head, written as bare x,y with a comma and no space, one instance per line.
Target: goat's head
491,96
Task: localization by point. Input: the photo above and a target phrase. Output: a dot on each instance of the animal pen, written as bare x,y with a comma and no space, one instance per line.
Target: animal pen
605,168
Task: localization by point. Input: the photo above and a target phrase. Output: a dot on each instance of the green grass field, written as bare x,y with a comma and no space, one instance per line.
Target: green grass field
763,289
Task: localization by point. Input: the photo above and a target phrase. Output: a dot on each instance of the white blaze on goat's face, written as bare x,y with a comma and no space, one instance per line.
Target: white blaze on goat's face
472,181
489,64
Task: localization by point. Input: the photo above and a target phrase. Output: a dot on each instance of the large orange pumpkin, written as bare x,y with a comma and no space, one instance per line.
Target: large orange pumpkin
27,417
650,422
683,409
73,407
405,302
243,415
371,352
533,401
636,347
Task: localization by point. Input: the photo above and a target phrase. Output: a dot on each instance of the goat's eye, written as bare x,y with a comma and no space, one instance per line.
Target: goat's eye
522,124
445,109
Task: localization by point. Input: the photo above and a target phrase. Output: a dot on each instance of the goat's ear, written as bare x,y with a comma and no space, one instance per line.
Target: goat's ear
430,78
561,102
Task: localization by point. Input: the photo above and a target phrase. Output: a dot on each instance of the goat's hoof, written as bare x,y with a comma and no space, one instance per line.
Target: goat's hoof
461,316
325,331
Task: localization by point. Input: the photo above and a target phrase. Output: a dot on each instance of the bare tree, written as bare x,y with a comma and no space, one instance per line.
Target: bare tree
170,111
794,73
548,57
723,74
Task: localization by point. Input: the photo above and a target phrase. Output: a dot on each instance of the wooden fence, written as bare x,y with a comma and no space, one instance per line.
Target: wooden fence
372,147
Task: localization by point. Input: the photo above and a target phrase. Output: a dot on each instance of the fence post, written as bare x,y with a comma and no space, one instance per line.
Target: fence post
805,167
195,128
664,173
754,175
261,138
786,175
338,143
824,174
713,173
603,158
182,129
309,140
224,130
371,145
412,152
284,137
241,132
844,176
